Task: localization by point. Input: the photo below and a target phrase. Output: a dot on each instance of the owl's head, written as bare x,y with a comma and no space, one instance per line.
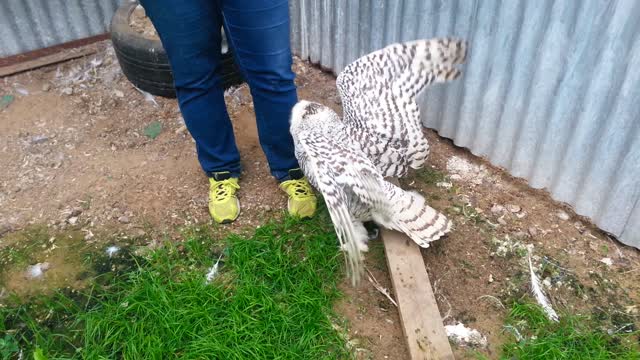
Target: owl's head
308,114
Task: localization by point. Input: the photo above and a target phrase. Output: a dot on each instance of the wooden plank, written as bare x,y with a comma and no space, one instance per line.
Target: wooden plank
47,60
421,322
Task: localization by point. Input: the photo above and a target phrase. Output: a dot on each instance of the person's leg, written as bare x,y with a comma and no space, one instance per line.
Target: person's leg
258,31
190,31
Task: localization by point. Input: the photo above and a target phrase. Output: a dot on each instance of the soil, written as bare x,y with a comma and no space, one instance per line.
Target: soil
482,264
140,23
75,155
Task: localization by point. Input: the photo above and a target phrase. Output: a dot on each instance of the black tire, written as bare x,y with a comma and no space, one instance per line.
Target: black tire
145,63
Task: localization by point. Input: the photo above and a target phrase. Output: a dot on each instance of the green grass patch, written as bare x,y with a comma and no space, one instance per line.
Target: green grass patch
272,299
431,176
573,337
19,248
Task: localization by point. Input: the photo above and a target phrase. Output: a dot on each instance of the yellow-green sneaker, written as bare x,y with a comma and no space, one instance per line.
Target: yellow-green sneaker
302,201
224,206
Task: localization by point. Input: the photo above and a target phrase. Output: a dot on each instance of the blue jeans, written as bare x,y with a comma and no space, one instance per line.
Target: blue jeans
258,32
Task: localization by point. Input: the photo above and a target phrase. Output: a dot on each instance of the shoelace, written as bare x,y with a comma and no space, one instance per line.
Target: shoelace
301,189
224,189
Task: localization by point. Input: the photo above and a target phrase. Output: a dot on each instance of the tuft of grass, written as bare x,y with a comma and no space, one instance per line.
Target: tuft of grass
17,248
431,176
272,299
573,337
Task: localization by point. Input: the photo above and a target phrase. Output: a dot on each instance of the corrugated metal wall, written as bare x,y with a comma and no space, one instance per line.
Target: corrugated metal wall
27,25
551,90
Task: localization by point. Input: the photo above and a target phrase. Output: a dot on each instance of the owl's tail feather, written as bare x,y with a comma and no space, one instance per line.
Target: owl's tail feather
410,214
438,51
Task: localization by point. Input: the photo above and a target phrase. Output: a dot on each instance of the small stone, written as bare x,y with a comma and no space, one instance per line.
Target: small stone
514,208
580,227
118,93
181,129
124,219
75,212
39,139
521,214
72,220
497,209
5,228
455,177
464,198
46,87
520,234
490,278
446,185
606,261
267,208
562,215
67,91
533,232
502,221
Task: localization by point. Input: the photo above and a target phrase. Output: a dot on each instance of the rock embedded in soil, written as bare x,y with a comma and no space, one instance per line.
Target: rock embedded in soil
514,208
5,228
446,185
520,234
607,261
124,219
497,209
562,215
75,212
39,139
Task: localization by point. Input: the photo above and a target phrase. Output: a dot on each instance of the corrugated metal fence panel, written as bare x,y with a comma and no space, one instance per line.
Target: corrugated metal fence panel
27,25
551,90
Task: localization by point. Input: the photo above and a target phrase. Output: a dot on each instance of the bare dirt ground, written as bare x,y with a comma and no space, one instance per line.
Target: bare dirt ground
79,151
482,265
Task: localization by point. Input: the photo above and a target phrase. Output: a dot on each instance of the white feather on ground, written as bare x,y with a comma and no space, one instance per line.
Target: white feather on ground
147,96
213,271
112,250
37,270
541,298
465,336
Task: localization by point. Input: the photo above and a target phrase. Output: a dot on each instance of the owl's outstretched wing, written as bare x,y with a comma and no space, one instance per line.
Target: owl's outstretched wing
343,175
379,91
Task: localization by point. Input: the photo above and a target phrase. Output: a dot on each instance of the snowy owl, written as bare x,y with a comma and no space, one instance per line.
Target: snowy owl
380,136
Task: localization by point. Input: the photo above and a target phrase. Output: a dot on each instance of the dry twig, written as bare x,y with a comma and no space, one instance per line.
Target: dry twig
384,291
